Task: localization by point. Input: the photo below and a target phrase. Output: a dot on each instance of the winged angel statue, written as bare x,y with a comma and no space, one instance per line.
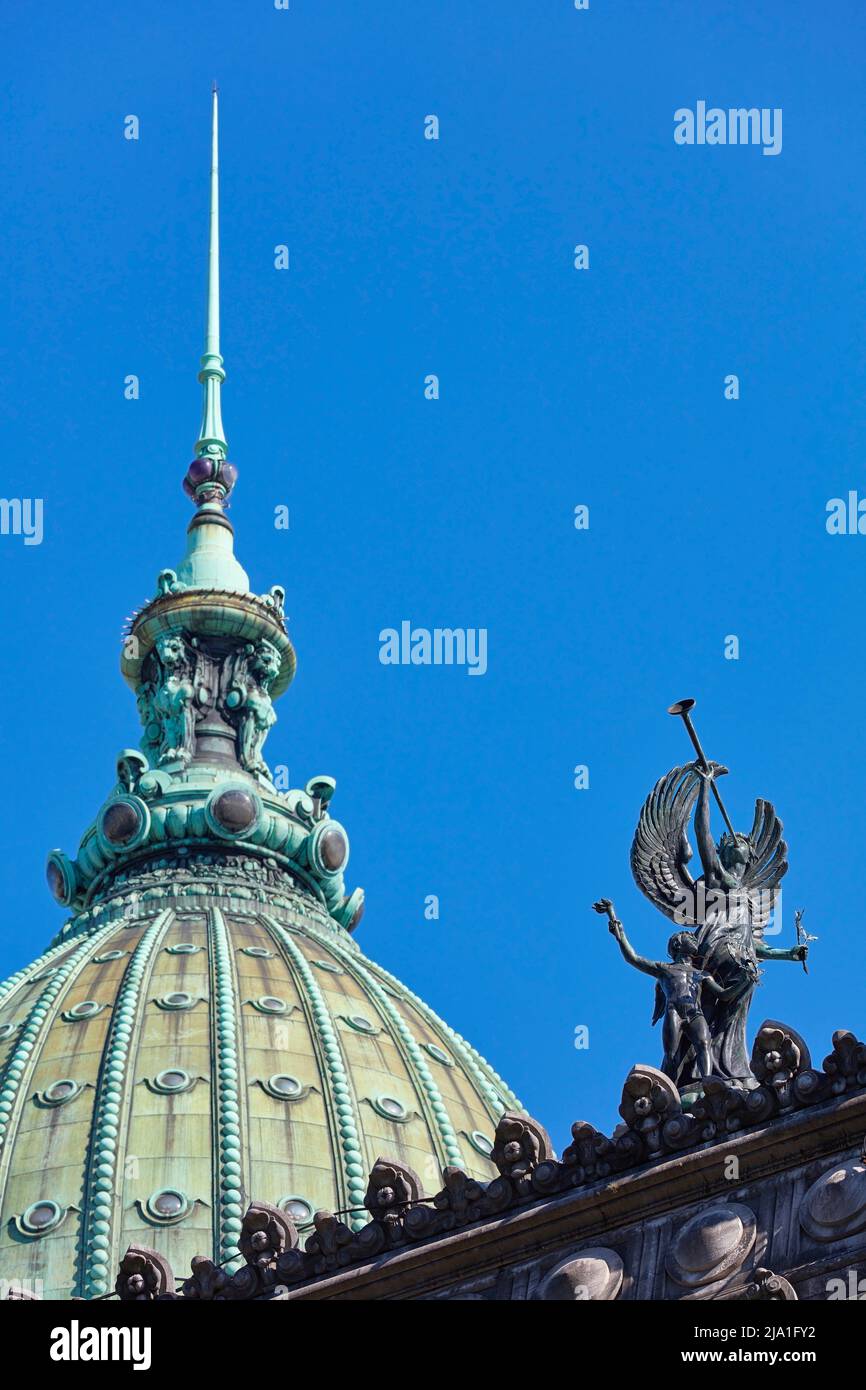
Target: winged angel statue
703,993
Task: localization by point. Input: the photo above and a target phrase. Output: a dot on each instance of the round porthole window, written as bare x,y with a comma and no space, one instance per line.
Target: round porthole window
108,955
329,849
183,948
61,877
481,1142
391,1108
284,1087
233,811
41,1217
269,1004
88,1008
327,965
6,1030
260,952
171,1080
178,999
123,823
59,1092
298,1208
45,974
439,1053
167,1205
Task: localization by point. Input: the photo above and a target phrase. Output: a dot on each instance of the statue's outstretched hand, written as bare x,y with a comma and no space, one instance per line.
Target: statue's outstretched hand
614,925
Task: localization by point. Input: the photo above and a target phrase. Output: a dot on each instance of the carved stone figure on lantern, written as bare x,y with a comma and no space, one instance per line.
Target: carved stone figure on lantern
173,700
249,698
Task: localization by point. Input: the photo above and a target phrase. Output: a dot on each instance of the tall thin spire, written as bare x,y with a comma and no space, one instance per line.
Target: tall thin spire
209,562
212,440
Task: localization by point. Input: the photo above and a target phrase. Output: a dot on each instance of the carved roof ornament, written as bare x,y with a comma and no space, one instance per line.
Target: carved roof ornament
705,988
767,1287
144,1275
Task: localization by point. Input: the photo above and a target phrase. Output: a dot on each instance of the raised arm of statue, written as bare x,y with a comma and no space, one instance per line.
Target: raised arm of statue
706,845
649,967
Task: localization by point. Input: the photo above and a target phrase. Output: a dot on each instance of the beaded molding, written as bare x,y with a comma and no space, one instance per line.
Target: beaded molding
102,1161
389,1010
16,1063
347,1117
229,1204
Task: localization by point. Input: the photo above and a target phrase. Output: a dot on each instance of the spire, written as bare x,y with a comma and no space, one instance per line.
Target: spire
212,374
210,561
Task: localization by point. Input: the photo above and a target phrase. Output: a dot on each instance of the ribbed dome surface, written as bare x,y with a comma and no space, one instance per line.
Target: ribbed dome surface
206,1032
173,1059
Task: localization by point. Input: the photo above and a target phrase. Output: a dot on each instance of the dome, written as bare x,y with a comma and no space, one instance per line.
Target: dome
201,1042
204,1031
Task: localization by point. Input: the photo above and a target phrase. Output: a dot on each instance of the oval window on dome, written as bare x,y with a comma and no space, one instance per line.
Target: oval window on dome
107,956
6,1030
298,1208
439,1053
45,974
260,952
327,965
481,1142
59,1092
284,1087
168,1204
171,1080
177,999
391,1108
360,1023
270,1004
41,1217
88,1008
183,948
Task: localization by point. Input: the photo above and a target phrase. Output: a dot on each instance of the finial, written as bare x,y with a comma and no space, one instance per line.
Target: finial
210,477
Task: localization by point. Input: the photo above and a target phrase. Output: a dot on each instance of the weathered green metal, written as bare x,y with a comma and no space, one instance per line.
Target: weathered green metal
204,1030
212,436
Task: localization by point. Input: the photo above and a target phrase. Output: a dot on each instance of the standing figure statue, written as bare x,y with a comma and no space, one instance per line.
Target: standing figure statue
173,700
726,910
679,988
248,696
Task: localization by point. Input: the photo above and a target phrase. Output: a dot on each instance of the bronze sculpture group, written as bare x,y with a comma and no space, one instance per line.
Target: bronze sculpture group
703,992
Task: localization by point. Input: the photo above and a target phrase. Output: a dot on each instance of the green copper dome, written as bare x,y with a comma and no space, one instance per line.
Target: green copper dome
204,1030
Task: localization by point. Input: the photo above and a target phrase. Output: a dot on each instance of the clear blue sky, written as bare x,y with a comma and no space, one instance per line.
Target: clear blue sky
558,387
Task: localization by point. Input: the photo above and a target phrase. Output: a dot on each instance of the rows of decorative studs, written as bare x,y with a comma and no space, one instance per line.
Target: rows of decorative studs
492,1087
471,1059
102,1166
230,1198
17,1062
22,976
390,1011
347,1119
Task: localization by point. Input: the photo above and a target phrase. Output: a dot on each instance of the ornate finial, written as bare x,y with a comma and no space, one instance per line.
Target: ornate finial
210,478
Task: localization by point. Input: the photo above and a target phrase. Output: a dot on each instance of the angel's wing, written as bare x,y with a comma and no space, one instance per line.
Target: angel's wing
768,865
660,850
